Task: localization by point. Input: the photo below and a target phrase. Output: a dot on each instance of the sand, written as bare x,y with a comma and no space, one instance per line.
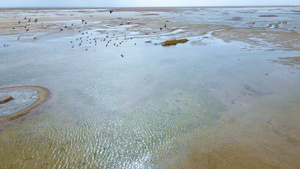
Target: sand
271,144
289,61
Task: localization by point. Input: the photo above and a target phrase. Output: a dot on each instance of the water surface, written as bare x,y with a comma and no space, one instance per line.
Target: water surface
149,108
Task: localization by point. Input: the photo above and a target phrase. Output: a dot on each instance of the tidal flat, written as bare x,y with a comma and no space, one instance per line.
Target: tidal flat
229,97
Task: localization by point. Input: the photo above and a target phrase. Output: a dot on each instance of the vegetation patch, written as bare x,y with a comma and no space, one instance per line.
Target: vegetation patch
268,16
174,42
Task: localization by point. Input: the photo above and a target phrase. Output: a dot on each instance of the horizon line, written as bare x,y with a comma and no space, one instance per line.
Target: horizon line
208,6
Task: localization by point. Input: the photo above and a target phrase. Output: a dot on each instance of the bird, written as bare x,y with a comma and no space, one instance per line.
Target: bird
61,30
27,30
19,38
160,28
165,25
29,19
122,55
35,20
34,38
19,22
66,26
25,17
110,11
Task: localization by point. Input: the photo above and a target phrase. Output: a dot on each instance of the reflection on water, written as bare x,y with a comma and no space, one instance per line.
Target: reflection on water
136,111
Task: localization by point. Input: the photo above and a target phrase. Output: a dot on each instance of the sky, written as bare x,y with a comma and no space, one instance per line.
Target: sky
141,3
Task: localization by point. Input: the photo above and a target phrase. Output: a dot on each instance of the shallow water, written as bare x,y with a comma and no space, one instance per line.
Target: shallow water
22,98
143,110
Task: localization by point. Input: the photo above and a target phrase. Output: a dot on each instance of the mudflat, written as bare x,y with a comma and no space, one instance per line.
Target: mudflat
228,97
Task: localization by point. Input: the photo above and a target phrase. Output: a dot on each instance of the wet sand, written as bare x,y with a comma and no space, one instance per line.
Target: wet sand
227,98
289,61
255,142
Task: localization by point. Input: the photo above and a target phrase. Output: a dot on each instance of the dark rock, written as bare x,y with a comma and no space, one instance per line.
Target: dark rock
5,99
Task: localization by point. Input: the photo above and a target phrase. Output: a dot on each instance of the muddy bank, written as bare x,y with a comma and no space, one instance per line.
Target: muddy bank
289,61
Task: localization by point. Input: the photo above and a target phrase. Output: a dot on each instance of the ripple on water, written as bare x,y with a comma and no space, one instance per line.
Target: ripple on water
134,138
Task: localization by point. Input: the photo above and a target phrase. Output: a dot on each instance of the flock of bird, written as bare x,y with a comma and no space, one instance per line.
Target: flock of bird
86,38
25,26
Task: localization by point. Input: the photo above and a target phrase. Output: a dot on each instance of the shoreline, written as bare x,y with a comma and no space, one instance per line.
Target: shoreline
151,7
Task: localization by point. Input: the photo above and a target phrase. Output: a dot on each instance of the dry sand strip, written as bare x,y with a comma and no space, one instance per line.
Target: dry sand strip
43,95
